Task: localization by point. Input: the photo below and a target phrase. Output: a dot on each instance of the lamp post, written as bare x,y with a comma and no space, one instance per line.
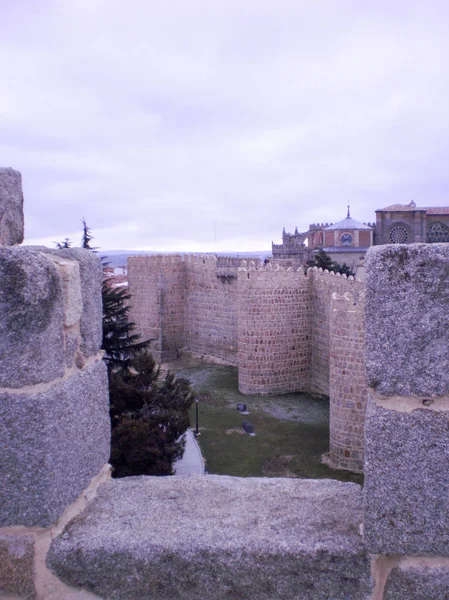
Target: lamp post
197,431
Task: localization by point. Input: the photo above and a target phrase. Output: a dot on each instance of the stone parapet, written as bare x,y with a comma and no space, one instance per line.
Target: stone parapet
407,444
11,207
215,538
54,421
54,439
419,579
32,303
407,303
406,481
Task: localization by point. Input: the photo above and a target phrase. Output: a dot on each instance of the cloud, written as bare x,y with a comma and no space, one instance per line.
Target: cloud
163,123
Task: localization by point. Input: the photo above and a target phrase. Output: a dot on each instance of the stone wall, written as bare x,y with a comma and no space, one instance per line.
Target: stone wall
323,285
54,406
271,321
69,532
157,307
274,316
11,207
211,307
407,438
348,388
54,422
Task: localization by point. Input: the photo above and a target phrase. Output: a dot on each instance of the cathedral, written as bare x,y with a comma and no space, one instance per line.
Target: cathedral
408,223
348,240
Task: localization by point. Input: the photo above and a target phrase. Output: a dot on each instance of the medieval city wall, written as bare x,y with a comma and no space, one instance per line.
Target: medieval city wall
275,324
157,307
274,318
211,307
323,285
67,531
348,387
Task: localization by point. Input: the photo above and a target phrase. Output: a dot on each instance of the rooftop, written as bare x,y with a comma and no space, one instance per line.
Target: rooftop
430,210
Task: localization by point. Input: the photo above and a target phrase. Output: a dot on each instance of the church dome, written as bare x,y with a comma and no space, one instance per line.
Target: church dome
348,223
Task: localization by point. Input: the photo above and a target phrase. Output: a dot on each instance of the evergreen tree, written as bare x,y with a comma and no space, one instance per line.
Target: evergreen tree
65,244
323,260
87,236
119,342
149,414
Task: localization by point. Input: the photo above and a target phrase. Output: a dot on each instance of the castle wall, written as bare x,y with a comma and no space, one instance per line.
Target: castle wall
54,417
348,388
65,529
321,290
274,332
273,323
157,285
211,307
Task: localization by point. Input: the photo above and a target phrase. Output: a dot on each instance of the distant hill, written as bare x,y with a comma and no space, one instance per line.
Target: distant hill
118,258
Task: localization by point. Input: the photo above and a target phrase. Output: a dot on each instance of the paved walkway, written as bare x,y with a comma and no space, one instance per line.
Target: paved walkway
192,463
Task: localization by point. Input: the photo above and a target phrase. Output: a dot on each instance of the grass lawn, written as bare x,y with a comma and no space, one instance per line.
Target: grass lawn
292,431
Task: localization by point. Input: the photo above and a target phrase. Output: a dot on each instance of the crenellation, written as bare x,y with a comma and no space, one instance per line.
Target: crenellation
63,524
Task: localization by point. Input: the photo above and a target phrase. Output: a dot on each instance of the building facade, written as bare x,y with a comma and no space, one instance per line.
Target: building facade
408,223
346,242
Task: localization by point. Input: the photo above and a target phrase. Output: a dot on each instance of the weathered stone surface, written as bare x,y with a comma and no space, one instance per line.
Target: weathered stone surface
91,273
31,318
11,207
406,482
215,538
70,274
51,445
426,583
71,346
407,319
17,565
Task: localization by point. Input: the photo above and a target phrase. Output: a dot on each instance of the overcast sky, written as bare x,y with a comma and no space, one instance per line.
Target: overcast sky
211,124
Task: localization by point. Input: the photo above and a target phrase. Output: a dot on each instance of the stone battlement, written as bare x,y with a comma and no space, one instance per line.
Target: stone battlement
69,532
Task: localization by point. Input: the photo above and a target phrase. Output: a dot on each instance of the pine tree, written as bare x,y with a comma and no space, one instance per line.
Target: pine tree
119,342
87,237
65,244
323,260
149,414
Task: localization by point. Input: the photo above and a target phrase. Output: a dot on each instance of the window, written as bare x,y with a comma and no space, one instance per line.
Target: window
399,235
437,232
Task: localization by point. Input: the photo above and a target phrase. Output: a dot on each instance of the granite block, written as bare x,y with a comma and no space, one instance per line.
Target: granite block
31,318
406,481
407,319
217,538
17,565
11,207
52,443
425,583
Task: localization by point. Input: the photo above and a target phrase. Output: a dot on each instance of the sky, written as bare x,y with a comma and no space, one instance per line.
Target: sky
209,125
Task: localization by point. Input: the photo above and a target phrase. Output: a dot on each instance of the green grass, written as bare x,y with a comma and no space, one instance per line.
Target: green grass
292,431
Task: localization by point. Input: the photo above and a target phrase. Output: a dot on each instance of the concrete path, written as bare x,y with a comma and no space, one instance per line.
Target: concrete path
192,463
